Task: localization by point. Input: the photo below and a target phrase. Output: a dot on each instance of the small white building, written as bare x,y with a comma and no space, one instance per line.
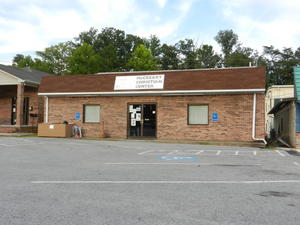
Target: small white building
273,96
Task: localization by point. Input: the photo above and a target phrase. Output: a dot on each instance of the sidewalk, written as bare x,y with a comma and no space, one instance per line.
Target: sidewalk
17,134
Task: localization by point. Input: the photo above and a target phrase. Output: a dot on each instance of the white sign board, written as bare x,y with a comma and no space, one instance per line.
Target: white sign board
139,82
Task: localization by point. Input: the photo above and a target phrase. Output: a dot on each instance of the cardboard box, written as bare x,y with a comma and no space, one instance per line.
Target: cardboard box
54,130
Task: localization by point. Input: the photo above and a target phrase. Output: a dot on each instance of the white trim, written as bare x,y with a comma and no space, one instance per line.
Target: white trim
11,75
177,92
254,122
6,84
163,181
47,109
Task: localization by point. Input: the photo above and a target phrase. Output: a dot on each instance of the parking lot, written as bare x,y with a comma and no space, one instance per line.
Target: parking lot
67,181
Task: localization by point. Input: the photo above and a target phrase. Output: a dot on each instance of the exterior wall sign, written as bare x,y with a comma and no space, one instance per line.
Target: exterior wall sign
77,116
139,82
215,117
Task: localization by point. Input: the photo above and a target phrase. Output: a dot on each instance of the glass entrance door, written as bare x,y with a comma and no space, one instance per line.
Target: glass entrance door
142,120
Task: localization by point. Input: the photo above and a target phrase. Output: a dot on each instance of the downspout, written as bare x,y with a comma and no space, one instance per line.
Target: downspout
47,108
254,121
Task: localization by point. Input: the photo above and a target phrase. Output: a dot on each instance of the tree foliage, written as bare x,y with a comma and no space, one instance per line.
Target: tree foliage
207,58
227,39
84,60
56,57
112,49
169,59
280,64
141,60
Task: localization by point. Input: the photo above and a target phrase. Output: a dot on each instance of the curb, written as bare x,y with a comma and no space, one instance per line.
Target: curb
296,150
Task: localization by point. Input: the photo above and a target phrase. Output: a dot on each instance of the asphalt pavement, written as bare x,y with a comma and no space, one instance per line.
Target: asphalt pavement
48,181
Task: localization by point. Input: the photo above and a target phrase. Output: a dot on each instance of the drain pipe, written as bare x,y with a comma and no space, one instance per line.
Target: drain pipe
254,120
47,108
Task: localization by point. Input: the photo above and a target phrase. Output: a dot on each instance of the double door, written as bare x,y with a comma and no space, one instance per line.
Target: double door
142,120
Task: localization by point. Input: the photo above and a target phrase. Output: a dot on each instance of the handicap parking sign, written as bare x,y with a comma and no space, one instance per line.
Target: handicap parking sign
77,116
215,117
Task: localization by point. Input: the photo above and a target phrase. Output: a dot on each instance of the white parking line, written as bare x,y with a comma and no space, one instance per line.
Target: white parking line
199,152
170,163
142,153
172,152
163,181
211,152
280,153
125,163
297,164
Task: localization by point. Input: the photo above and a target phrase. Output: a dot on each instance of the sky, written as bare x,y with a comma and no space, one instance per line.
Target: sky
27,26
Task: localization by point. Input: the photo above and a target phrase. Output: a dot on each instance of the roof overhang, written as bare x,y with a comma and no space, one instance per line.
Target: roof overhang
154,93
280,105
16,80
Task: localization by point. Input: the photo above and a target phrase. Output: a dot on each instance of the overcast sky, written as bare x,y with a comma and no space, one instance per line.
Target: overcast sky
30,25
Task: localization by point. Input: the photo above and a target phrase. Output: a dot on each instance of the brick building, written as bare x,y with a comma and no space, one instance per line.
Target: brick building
19,102
201,104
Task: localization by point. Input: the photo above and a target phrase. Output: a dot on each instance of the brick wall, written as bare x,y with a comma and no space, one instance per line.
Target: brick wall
235,116
5,111
34,101
6,94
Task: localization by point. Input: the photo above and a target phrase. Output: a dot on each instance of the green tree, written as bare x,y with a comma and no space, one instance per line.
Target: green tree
142,59
241,57
169,57
88,37
17,59
22,61
153,44
227,39
84,60
280,65
116,40
187,54
108,59
57,57
207,58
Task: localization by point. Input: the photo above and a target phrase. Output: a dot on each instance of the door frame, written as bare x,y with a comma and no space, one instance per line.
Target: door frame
142,112
13,114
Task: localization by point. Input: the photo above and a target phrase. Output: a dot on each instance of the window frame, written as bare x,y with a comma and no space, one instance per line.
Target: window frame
83,119
188,114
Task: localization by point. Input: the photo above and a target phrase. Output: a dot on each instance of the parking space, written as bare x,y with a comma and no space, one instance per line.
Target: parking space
216,152
68,181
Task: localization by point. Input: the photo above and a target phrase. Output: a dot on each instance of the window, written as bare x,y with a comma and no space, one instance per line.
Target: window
92,113
198,114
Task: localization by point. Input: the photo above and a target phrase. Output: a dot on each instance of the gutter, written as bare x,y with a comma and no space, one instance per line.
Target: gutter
254,122
158,93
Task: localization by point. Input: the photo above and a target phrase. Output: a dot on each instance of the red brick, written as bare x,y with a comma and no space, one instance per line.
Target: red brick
235,116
